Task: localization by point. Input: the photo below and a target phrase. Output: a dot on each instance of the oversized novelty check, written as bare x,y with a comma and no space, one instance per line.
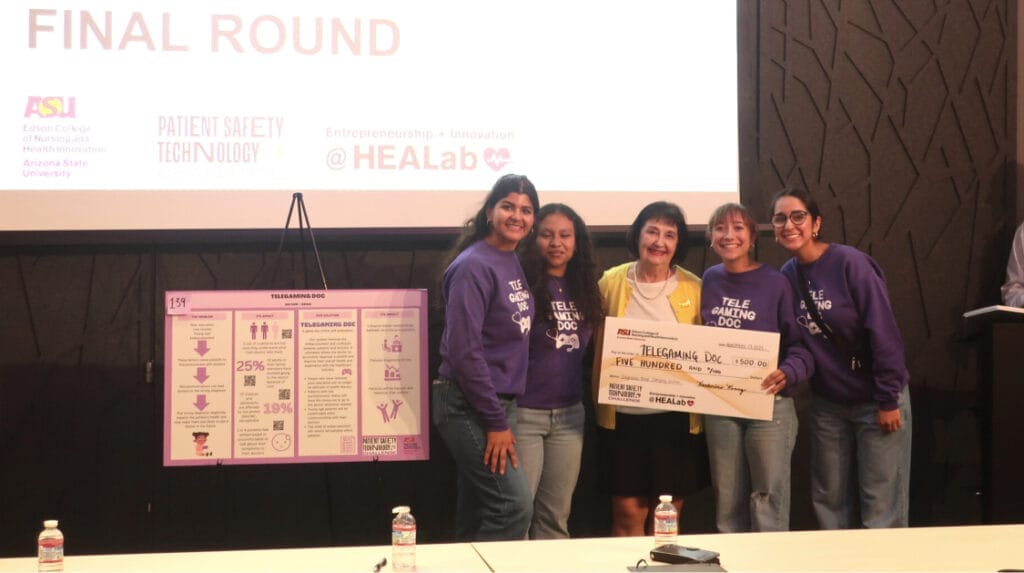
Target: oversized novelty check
671,366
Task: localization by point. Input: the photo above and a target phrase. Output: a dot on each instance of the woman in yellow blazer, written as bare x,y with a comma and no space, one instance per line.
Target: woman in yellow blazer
644,453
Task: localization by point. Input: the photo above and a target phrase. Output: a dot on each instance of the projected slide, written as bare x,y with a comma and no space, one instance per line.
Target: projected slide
128,115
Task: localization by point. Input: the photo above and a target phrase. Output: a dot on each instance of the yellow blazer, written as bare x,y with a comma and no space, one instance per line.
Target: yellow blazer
615,292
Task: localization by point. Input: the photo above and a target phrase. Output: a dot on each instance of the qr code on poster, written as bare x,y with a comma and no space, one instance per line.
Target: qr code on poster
286,333
278,425
284,394
250,380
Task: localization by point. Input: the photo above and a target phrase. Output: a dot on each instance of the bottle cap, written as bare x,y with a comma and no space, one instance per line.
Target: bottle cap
50,523
665,498
400,509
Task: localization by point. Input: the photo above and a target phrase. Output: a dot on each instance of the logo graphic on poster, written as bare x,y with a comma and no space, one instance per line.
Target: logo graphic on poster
200,439
392,373
383,407
380,445
394,345
410,443
281,442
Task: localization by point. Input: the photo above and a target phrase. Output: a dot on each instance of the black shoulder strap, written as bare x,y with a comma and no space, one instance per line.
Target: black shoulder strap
812,308
858,358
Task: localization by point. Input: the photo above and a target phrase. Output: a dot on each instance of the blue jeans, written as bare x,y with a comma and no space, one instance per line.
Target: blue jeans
489,506
550,445
883,465
750,469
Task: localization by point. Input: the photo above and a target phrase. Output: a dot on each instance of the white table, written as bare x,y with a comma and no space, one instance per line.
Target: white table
970,548
454,557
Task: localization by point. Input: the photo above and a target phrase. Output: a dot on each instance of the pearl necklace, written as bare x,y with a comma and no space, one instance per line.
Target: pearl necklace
640,290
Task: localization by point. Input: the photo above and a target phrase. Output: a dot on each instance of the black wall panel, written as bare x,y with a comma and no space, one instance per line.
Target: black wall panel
898,116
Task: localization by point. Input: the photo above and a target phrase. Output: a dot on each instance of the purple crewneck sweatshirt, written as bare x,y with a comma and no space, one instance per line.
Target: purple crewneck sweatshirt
485,344
555,376
849,289
759,299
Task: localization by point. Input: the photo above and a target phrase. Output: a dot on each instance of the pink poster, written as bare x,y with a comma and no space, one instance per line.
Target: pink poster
256,377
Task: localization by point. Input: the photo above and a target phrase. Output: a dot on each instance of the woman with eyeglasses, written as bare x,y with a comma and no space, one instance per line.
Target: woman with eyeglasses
642,452
750,459
860,412
484,353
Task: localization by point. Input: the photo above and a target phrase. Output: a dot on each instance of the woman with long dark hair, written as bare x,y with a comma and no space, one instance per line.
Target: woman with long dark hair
860,411
560,267
484,353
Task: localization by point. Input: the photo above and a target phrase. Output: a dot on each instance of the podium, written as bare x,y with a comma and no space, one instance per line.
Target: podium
1001,388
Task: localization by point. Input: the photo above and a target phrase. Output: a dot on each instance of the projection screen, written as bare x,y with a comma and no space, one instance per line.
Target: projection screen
125,115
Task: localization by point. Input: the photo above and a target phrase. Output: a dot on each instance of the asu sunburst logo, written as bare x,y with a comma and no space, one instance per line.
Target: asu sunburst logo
50,107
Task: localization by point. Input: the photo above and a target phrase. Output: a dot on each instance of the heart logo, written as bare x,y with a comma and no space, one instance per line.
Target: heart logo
689,402
496,158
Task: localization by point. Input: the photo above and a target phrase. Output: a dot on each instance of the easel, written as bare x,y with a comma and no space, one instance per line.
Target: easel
304,228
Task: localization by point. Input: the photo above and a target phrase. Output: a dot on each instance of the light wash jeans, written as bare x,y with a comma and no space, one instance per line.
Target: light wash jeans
750,468
489,506
883,465
550,445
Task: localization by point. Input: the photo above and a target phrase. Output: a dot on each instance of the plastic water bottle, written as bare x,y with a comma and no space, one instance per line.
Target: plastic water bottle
51,547
403,540
666,522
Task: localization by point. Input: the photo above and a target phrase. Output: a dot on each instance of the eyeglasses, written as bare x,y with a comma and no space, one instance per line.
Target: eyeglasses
797,217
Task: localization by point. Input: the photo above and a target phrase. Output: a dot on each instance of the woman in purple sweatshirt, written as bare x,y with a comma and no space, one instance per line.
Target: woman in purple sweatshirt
484,352
860,413
750,459
563,279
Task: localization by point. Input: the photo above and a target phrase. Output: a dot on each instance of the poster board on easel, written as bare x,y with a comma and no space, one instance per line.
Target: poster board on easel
295,376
